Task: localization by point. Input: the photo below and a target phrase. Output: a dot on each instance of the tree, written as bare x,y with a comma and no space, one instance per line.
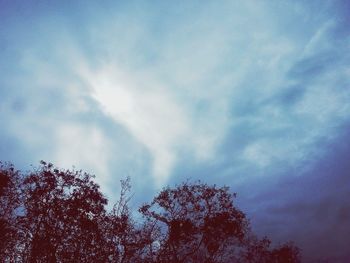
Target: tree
10,199
259,251
55,215
63,214
200,223
127,240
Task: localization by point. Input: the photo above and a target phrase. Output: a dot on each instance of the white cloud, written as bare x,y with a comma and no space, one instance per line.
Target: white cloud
83,146
181,83
183,97
153,114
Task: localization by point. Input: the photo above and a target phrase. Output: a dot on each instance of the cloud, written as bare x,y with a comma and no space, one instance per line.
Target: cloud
312,205
86,146
182,86
153,115
147,112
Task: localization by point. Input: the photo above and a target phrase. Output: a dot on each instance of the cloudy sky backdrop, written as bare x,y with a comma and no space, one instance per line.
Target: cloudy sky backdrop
250,94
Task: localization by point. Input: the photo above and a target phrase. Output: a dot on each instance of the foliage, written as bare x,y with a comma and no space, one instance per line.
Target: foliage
10,201
199,221
54,215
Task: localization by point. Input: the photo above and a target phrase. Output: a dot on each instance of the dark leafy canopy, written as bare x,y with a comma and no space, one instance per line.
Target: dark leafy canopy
10,200
200,223
63,211
54,215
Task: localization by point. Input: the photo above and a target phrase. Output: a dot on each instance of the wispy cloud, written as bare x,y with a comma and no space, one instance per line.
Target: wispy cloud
183,86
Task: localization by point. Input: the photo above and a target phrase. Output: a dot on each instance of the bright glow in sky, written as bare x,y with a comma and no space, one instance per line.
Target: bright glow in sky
251,94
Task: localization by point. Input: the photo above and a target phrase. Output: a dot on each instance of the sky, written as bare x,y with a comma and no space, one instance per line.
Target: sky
254,95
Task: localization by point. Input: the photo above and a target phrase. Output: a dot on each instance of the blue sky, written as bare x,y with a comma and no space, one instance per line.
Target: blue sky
250,94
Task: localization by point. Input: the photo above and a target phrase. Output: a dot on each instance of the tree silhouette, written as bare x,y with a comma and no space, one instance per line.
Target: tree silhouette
201,224
64,211
55,215
10,200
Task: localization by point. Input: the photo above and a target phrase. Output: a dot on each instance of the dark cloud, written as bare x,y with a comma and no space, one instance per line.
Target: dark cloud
313,66
289,96
310,207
